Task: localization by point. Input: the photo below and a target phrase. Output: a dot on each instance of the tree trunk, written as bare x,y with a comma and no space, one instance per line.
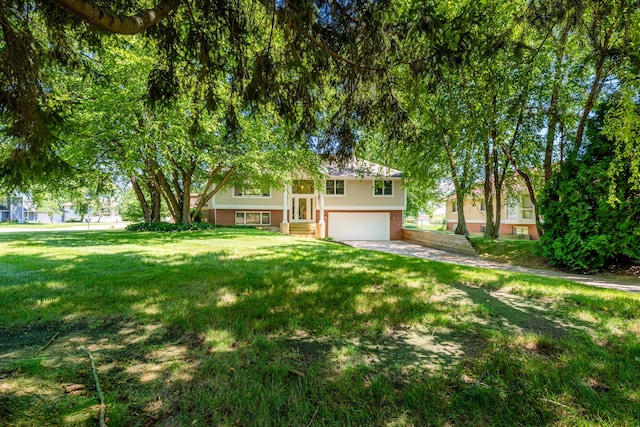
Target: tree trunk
460,193
498,181
167,194
489,227
156,199
186,201
554,117
208,192
461,228
116,23
156,203
596,86
146,212
529,184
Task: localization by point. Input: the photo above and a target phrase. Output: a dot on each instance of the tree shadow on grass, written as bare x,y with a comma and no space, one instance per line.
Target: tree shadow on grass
283,336
514,314
81,238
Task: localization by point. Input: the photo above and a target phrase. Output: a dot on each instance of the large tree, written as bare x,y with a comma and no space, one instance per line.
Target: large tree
312,63
168,151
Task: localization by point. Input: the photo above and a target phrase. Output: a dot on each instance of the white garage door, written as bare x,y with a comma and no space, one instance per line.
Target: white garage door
359,226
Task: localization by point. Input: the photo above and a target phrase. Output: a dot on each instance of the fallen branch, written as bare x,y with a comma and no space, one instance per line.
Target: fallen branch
314,416
544,399
47,344
100,396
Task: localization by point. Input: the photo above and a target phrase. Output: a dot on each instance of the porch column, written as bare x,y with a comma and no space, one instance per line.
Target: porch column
321,227
284,225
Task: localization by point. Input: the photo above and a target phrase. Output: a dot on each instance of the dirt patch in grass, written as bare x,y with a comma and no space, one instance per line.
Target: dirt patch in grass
45,370
401,347
436,347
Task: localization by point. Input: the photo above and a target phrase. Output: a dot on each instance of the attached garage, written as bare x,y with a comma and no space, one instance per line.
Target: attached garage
358,225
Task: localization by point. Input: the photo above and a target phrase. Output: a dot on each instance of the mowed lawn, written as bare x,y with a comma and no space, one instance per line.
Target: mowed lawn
236,327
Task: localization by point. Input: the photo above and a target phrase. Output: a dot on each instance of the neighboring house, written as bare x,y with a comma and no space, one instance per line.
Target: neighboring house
20,209
12,209
358,201
517,219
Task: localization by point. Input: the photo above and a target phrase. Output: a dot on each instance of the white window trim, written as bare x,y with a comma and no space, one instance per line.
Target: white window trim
244,213
373,190
251,196
334,180
454,206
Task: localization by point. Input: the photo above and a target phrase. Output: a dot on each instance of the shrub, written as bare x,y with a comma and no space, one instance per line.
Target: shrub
168,227
591,218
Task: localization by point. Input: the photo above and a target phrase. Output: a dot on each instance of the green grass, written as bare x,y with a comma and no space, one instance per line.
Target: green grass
35,226
411,223
245,327
524,253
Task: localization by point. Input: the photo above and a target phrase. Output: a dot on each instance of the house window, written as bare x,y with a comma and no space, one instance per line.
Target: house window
334,187
454,206
521,231
527,208
251,192
302,186
383,187
512,207
483,206
253,218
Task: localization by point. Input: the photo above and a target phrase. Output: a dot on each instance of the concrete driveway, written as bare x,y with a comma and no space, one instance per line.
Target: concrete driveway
400,247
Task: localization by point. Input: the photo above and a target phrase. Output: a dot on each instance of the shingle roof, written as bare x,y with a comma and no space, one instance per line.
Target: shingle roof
358,168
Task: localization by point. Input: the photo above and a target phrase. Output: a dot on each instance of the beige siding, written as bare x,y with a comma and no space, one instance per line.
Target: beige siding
359,195
225,198
473,214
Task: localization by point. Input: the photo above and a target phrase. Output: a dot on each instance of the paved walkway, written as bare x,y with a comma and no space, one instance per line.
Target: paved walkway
399,247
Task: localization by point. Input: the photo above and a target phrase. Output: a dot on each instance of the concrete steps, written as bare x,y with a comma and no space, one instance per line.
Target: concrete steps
302,229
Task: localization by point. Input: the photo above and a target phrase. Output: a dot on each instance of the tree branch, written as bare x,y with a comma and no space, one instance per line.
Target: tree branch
322,46
117,23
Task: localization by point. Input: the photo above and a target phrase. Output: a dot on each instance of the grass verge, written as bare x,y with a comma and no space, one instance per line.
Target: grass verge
524,253
244,327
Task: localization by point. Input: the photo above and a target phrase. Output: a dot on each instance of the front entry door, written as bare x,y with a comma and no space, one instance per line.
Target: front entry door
302,209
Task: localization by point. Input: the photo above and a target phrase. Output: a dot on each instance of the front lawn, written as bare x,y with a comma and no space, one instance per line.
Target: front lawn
523,253
246,327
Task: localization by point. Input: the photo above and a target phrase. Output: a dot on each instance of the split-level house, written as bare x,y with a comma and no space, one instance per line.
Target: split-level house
517,219
359,200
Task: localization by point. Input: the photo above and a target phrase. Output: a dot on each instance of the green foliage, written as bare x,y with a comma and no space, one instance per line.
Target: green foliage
590,220
622,125
167,227
129,208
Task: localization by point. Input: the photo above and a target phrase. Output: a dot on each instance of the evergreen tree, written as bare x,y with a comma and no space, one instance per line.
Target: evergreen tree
585,227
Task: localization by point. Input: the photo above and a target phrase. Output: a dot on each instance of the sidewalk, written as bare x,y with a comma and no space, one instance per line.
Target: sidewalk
400,247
